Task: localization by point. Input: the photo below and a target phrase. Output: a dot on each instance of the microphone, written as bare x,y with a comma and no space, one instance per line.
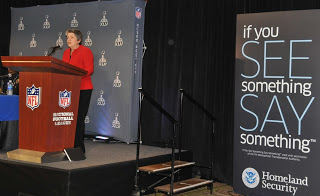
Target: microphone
9,75
53,49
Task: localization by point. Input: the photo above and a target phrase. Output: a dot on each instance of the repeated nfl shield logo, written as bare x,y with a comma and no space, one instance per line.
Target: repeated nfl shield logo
33,98
64,99
138,12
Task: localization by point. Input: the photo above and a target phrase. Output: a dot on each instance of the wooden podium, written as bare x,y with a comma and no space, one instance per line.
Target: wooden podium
49,92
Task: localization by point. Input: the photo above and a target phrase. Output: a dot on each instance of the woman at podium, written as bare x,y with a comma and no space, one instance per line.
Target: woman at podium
82,57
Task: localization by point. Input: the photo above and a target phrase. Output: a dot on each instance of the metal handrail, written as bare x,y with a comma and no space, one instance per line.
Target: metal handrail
183,94
154,103
175,123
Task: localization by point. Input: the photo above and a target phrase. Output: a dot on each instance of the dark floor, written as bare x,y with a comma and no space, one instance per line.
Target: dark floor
219,189
99,153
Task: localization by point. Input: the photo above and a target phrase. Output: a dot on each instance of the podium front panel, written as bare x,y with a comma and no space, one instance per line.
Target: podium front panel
48,110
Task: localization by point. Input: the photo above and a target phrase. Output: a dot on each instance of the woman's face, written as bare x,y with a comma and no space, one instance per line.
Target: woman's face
72,41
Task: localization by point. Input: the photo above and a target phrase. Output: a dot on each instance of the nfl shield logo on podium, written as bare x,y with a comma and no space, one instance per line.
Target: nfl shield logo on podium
64,98
33,97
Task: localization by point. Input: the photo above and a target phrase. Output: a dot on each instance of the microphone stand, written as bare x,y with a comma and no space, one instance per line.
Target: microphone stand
52,50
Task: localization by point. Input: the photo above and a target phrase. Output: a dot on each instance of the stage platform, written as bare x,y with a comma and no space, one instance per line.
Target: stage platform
108,170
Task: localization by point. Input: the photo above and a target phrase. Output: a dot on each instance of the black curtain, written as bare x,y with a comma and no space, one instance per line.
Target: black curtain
190,46
5,32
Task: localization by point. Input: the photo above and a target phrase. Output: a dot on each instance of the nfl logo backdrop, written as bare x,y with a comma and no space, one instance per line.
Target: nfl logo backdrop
138,12
113,30
276,133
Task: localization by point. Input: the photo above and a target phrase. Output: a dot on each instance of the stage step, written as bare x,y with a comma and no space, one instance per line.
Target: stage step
184,185
164,166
